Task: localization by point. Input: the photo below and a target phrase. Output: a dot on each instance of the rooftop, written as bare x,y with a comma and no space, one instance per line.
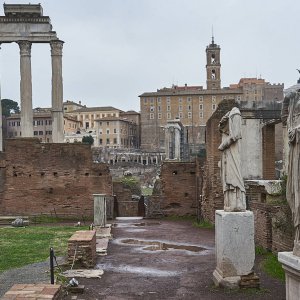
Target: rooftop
91,109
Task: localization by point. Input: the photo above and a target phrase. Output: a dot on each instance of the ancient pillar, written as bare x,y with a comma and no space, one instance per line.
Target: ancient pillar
99,210
177,143
26,89
57,92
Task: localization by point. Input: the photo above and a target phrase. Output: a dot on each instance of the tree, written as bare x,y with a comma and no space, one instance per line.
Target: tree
9,107
88,140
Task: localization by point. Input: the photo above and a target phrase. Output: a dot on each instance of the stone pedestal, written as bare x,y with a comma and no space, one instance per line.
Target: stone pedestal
291,266
100,210
235,250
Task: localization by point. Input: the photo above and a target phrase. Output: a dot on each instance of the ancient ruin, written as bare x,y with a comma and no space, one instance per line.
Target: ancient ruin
25,25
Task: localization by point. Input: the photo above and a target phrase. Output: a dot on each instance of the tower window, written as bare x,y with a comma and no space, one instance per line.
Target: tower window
213,99
168,116
200,106
200,98
213,74
168,100
189,115
213,58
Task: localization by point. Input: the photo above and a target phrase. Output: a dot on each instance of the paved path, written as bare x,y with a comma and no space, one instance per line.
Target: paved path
138,266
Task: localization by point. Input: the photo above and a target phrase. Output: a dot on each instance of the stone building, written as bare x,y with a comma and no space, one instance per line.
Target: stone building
88,115
116,133
71,105
42,125
193,105
257,89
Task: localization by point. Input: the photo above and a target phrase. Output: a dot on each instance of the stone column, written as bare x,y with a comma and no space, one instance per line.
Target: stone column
177,143
99,210
57,92
26,89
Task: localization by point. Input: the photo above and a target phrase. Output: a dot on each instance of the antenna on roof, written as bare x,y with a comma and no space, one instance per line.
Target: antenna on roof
212,34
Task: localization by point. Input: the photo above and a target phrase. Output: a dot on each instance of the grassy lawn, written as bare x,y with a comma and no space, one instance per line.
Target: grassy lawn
22,246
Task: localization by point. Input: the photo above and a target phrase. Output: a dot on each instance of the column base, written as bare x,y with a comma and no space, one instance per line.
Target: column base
291,266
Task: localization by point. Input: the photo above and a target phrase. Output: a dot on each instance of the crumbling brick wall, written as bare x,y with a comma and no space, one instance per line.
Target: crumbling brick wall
212,188
51,179
268,151
178,188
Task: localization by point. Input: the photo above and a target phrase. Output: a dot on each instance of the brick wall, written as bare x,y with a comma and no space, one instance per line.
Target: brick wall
50,179
212,189
268,151
178,188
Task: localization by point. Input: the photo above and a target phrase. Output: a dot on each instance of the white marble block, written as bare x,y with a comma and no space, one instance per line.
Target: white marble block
291,266
235,249
99,210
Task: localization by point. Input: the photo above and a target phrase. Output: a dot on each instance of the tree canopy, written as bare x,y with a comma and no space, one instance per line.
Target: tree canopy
9,106
88,139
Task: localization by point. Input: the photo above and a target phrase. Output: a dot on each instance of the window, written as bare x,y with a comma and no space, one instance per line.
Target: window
100,131
151,116
151,100
168,100
158,100
107,123
180,108
100,141
201,106
115,140
18,123
159,116
168,116
201,114
214,106
35,133
87,125
238,98
189,99
107,141
100,123
180,100
152,108
180,115
223,97
200,98
115,130
168,107
145,101
189,115
189,107
107,131
159,108
213,99
41,132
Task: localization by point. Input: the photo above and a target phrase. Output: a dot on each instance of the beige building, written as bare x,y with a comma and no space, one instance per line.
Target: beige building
71,105
42,125
193,105
116,133
87,115
257,89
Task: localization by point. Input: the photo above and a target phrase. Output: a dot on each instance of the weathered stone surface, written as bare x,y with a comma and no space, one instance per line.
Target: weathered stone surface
83,273
82,248
235,251
291,266
99,210
53,179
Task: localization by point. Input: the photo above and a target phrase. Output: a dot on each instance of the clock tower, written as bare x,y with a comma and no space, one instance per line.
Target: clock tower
213,66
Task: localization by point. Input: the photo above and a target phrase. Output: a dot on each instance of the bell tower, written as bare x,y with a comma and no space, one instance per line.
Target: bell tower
213,66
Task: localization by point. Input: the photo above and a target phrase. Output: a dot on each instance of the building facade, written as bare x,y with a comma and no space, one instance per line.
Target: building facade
192,105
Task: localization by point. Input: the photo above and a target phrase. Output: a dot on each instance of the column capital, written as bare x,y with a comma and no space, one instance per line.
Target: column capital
25,48
56,47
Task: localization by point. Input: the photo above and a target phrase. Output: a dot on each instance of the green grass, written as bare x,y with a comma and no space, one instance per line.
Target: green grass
147,191
270,263
204,224
273,267
25,245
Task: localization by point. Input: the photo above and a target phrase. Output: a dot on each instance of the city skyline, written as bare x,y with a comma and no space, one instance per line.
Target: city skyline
114,51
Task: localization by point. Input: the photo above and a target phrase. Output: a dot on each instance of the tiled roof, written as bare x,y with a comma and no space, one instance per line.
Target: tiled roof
91,109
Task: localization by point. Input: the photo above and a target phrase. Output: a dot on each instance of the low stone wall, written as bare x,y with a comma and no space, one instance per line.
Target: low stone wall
273,218
40,291
82,245
128,208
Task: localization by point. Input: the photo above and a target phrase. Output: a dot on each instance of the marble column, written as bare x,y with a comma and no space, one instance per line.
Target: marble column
177,143
57,92
26,89
99,210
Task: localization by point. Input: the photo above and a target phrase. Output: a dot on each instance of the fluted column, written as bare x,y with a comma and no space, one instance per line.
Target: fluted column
57,92
26,89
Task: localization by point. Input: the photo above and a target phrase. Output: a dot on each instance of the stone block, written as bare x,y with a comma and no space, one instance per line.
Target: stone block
291,266
235,251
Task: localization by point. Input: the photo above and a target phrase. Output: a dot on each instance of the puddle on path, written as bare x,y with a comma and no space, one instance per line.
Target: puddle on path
158,246
143,271
135,224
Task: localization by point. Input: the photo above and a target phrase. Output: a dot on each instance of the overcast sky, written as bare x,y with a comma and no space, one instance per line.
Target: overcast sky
117,49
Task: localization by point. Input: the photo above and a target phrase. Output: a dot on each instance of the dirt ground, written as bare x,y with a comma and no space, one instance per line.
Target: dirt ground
178,266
